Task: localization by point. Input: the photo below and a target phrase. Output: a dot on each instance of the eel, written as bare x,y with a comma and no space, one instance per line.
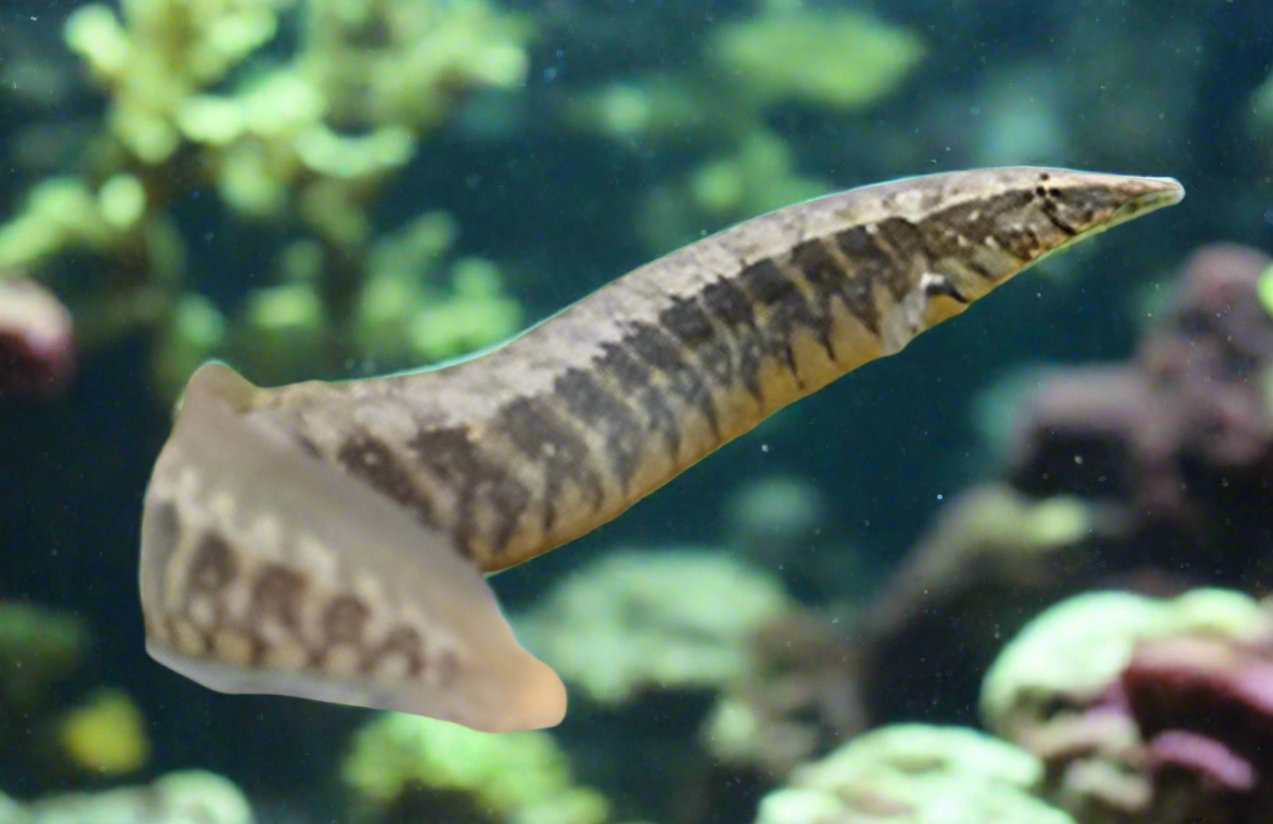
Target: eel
330,540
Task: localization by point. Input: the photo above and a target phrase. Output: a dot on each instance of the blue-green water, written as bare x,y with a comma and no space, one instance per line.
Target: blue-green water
324,189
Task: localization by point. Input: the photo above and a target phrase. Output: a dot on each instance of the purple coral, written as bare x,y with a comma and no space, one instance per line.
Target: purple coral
1204,707
1210,356
37,350
1181,437
1190,401
1169,458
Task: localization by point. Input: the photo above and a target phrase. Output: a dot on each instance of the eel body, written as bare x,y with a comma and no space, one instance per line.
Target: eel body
329,540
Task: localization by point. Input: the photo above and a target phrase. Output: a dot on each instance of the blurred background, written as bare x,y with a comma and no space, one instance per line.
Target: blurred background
1012,575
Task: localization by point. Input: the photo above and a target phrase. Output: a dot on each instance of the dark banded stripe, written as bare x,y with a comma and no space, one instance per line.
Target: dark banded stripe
635,378
661,352
541,435
689,321
376,462
476,480
628,373
784,309
727,303
594,407
829,281
904,255
870,265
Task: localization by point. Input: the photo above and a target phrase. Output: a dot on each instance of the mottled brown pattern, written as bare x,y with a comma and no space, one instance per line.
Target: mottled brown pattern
212,567
871,265
730,306
165,533
635,378
972,221
304,540
404,641
345,620
661,419
277,595
616,363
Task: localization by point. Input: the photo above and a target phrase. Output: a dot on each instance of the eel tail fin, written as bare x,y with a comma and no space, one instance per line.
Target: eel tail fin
265,570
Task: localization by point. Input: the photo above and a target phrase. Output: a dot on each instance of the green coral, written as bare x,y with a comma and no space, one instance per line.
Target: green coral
915,774
757,176
1262,105
829,58
306,141
656,105
1073,650
835,58
1049,691
1264,289
473,314
1266,381
399,763
771,514
11,812
640,620
106,735
59,214
177,798
38,647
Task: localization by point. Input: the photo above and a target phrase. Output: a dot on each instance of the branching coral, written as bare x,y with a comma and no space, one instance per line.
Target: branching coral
201,98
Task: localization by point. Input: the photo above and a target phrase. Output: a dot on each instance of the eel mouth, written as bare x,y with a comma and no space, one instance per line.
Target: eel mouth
1156,192
1149,194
